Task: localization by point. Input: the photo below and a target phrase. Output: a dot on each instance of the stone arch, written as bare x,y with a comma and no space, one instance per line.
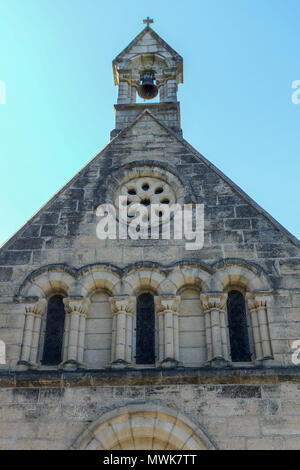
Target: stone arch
97,277
46,281
189,276
144,426
246,278
147,169
143,279
239,274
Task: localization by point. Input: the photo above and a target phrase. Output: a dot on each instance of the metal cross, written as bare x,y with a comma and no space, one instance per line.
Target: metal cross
148,21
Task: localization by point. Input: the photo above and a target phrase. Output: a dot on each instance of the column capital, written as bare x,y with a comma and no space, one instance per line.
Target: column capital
77,304
213,300
37,308
258,299
167,303
122,304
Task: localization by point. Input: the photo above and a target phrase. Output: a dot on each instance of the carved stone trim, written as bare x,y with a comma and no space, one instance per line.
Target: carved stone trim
168,334
31,333
258,304
214,306
213,300
164,304
122,308
77,304
38,308
122,304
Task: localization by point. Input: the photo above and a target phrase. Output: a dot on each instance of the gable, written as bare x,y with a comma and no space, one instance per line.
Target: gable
148,42
64,230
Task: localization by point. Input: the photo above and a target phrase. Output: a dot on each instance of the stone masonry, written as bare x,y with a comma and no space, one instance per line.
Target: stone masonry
213,405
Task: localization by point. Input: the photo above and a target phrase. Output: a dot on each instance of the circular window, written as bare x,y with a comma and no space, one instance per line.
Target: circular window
145,191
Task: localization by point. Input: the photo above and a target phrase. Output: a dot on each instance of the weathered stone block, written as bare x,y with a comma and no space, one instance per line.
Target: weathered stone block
5,274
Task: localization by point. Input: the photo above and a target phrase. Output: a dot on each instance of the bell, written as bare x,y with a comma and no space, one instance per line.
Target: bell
147,88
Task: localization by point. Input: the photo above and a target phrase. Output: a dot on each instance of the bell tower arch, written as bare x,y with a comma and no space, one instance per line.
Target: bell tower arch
148,67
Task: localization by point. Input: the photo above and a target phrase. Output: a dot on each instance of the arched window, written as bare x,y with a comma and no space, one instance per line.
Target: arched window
52,354
238,328
145,329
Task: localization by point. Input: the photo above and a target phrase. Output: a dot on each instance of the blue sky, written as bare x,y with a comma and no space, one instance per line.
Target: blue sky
240,59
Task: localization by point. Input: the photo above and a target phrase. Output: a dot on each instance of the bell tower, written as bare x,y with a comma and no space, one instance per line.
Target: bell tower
148,67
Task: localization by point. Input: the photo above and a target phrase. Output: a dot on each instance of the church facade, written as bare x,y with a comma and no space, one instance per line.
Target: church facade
140,342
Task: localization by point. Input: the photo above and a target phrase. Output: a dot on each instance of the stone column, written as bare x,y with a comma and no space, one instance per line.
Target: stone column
76,311
258,308
31,333
121,348
125,92
168,332
214,305
133,95
162,92
171,91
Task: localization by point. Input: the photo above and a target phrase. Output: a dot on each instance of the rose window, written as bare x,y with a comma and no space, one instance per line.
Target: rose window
145,191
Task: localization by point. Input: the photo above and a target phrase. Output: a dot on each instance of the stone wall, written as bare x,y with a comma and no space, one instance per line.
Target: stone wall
235,412
239,414
64,232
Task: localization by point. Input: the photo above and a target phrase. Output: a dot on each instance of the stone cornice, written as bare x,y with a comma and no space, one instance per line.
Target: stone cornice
131,377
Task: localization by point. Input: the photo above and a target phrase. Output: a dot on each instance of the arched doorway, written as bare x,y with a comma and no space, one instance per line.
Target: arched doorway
144,427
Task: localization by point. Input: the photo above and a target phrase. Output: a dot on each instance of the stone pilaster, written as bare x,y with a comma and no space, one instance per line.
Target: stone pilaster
168,334
76,312
214,305
258,308
121,348
171,91
124,95
31,332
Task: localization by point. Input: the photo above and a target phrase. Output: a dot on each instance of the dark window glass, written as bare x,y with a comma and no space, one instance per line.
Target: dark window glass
145,330
54,331
238,329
